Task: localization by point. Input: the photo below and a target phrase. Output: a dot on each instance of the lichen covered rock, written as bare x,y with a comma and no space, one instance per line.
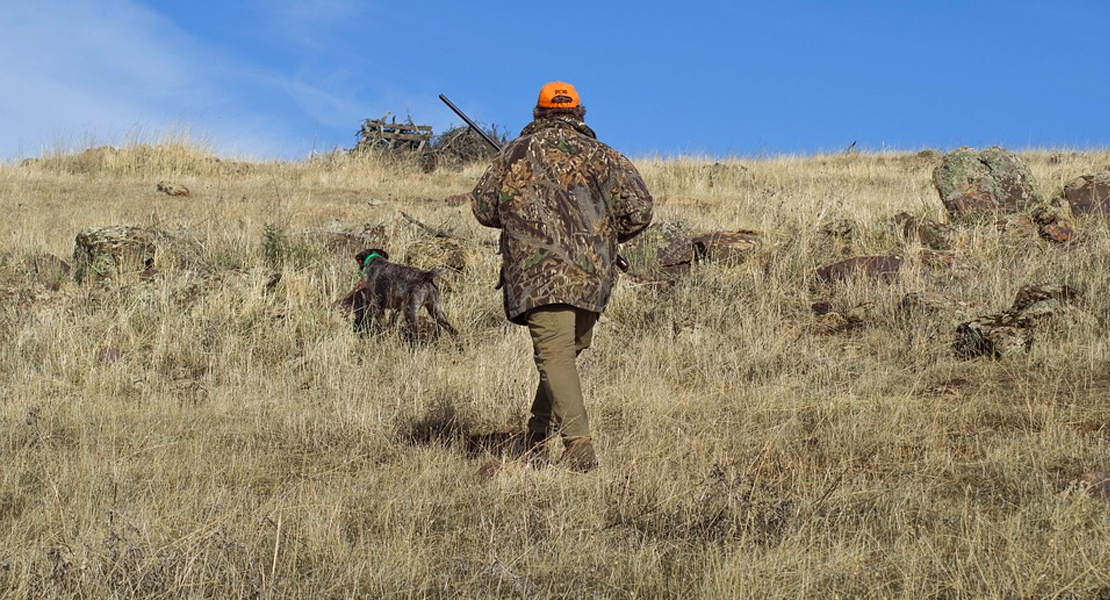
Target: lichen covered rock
1053,221
112,251
1010,332
994,336
995,180
725,245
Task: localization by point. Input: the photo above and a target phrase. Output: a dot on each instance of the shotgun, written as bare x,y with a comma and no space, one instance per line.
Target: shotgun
472,124
620,261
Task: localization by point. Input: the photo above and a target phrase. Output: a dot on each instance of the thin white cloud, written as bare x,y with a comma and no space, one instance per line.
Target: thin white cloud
74,69
80,71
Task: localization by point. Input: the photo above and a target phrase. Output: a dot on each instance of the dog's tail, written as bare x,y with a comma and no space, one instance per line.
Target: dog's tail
435,276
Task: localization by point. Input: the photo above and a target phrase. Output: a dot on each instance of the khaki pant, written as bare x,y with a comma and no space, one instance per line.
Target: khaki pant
559,334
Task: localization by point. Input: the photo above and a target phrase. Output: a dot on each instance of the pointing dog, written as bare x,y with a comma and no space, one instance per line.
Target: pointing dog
396,287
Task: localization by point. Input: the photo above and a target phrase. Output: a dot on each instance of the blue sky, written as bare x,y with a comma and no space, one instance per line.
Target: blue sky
281,78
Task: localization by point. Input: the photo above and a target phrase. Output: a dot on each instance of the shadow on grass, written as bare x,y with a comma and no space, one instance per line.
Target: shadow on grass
443,425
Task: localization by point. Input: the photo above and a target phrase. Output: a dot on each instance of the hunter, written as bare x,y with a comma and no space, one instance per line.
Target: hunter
563,201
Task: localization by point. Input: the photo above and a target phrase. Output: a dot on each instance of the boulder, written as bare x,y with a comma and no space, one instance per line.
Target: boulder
883,268
658,257
1089,194
112,251
676,255
1035,303
668,250
724,245
1010,332
993,181
1053,221
994,336
923,230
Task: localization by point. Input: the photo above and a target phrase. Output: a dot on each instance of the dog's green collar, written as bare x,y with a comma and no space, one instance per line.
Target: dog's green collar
366,261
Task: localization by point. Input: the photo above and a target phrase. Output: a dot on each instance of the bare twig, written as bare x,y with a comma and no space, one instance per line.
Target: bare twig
439,233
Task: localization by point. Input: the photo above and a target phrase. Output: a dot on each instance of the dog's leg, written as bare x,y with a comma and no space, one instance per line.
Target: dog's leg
377,311
411,307
431,304
362,318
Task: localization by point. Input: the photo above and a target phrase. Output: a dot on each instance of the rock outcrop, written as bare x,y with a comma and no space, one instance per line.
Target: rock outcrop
972,184
1089,194
1001,334
112,251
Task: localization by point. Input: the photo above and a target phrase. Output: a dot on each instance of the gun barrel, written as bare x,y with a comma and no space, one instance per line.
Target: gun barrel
472,124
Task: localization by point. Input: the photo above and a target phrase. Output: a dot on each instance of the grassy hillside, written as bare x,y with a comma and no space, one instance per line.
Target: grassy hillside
215,428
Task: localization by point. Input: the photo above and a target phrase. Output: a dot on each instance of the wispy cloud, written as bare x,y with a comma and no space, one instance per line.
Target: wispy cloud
81,69
72,67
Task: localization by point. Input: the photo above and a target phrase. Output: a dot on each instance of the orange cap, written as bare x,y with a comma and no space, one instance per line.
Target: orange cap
558,95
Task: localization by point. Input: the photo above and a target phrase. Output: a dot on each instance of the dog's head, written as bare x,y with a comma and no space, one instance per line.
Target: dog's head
363,257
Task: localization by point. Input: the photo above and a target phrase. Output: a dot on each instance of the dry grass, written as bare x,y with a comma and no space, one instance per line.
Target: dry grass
211,434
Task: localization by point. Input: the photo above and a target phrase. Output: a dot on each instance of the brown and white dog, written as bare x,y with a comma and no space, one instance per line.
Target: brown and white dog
394,287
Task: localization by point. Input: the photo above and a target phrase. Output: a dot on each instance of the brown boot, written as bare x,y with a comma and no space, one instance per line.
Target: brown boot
579,455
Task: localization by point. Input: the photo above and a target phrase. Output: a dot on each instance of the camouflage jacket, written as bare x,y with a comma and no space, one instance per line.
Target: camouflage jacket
563,200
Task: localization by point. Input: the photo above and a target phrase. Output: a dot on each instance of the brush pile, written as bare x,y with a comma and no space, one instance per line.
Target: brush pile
451,149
